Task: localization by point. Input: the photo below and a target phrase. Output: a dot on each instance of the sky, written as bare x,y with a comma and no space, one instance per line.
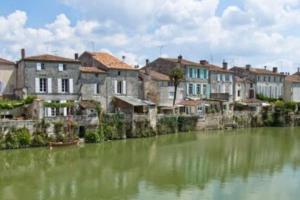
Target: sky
256,32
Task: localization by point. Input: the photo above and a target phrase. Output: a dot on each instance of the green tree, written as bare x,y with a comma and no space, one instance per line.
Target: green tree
176,76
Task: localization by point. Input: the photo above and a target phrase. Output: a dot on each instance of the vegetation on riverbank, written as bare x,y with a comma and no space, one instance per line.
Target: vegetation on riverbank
12,104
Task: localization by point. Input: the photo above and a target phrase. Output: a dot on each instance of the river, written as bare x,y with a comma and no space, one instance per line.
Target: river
236,164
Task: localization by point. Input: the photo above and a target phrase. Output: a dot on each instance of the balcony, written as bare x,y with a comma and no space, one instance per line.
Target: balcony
220,96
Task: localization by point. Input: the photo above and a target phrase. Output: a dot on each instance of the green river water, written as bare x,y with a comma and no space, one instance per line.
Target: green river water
241,164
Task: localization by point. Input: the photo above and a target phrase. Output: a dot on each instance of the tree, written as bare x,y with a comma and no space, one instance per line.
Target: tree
176,76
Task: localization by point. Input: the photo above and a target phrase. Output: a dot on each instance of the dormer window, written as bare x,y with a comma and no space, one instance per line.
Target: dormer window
61,67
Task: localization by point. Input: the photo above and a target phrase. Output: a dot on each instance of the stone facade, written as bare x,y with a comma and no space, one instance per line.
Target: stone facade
292,88
243,89
7,78
131,85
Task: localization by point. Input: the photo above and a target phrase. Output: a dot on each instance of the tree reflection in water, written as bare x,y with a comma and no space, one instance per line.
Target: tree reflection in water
169,164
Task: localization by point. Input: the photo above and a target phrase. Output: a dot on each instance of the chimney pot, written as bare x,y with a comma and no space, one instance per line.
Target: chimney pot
179,58
275,69
248,67
22,53
225,65
265,67
204,62
76,56
147,62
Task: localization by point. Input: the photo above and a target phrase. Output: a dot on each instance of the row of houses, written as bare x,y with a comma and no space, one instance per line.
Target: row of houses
101,77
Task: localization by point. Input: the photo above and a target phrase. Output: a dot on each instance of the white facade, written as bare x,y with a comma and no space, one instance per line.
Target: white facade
270,86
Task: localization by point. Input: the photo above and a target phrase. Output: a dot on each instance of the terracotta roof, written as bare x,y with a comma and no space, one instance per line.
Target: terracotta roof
88,104
215,68
110,61
183,61
91,70
260,71
156,75
190,102
50,58
7,62
293,78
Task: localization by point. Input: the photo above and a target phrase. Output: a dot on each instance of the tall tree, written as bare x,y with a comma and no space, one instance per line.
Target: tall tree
176,76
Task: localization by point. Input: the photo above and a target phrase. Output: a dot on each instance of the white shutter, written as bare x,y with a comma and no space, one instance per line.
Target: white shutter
60,67
71,86
219,77
95,88
187,89
194,89
59,85
116,86
65,108
124,87
38,66
49,110
49,84
37,85
230,78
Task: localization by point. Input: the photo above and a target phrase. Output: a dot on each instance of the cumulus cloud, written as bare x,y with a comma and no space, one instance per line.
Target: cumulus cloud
257,32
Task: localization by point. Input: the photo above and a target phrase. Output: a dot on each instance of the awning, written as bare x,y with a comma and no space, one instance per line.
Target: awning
135,101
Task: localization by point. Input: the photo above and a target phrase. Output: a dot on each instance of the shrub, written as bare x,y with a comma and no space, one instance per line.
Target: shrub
11,141
38,140
167,125
92,137
143,129
187,123
290,106
279,105
24,137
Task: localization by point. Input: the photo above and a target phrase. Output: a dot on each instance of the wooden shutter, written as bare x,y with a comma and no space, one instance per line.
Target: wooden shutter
124,87
49,85
71,89
37,85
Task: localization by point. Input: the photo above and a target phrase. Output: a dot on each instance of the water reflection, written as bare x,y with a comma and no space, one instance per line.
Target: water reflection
175,166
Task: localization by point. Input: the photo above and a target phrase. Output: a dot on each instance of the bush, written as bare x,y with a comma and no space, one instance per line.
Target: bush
11,141
24,137
167,125
143,129
38,140
290,106
187,123
92,137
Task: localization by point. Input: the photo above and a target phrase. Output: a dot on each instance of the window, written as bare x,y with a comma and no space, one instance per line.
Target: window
227,77
65,85
171,95
251,85
40,66
190,72
119,73
238,93
205,73
61,67
265,78
43,85
204,89
170,84
198,73
55,111
269,78
190,88
198,89
119,87
98,89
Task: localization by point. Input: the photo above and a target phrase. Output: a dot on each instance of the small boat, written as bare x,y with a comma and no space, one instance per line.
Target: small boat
63,144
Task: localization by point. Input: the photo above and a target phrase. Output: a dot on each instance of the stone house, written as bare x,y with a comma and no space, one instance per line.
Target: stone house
51,78
268,83
109,77
292,87
244,88
221,82
196,80
157,88
7,78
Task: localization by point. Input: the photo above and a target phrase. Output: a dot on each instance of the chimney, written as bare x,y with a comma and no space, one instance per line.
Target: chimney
22,53
136,66
179,58
275,69
248,67
204,62
76,56
265,67
225,65
298,69
123,58
147,68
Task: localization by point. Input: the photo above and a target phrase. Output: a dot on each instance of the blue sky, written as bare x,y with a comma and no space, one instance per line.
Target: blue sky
259,32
